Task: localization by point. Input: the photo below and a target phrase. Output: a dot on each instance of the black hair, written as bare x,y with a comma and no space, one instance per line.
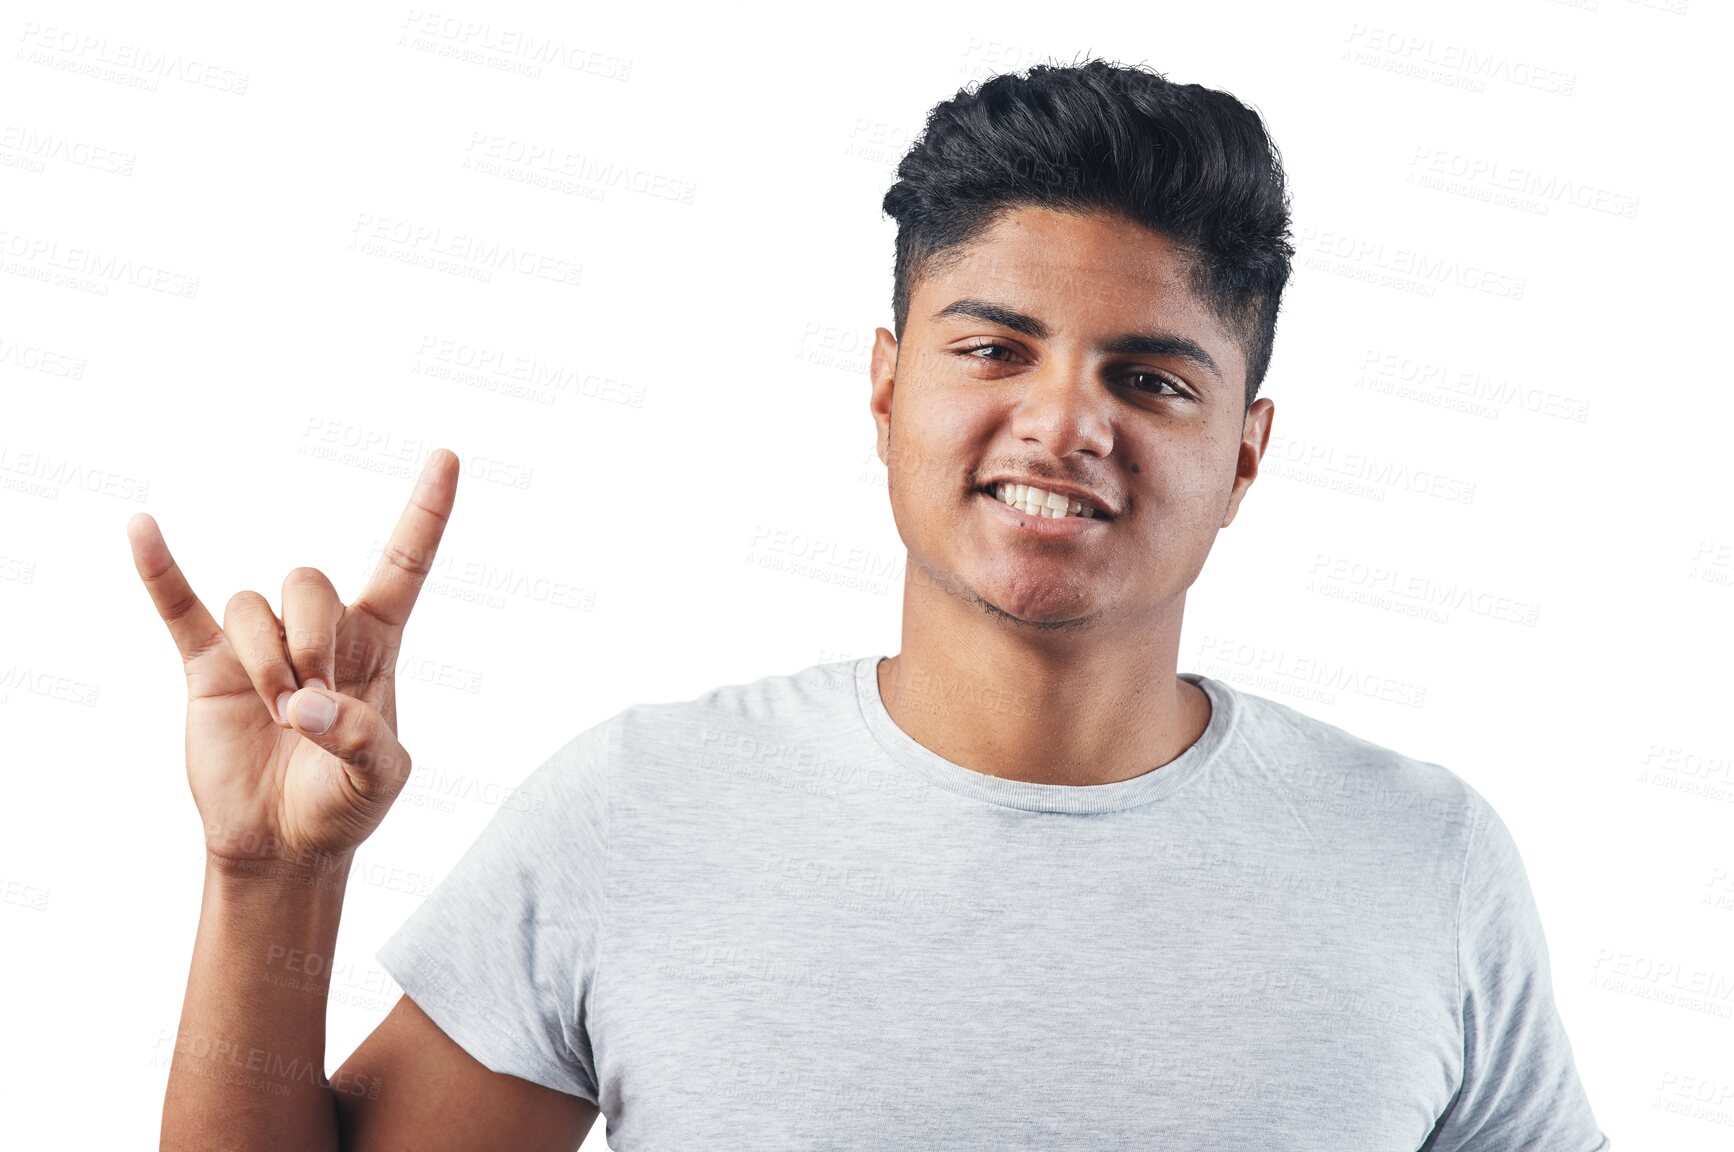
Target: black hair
1189,162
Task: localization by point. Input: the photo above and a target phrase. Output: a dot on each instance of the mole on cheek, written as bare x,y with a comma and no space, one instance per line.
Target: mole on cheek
1135,468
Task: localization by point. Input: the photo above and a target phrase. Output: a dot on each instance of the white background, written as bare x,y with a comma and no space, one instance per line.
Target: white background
1494,381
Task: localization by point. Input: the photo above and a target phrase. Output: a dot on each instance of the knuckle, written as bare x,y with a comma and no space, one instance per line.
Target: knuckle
407,560
264,656
369,760
256,647
354,729
382,761
303,640
385,770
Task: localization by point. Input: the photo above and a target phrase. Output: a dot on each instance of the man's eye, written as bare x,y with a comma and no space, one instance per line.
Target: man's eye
974,348
1156,380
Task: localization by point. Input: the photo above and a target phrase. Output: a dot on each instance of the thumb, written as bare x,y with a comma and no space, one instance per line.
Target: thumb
354,732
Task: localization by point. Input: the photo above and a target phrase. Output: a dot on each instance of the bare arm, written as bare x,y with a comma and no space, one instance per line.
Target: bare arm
248,1067
435,1096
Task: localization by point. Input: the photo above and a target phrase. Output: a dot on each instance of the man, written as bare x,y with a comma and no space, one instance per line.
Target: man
1022,884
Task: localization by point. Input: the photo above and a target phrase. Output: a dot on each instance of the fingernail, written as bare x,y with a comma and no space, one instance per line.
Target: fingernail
315,712
283,707
316,682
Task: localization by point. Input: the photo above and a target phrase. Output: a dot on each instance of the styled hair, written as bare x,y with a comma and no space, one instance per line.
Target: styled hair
1189,162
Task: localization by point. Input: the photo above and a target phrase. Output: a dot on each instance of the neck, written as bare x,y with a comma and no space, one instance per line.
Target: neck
1088,705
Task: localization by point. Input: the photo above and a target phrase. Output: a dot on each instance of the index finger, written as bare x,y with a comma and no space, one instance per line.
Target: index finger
190,623
403,566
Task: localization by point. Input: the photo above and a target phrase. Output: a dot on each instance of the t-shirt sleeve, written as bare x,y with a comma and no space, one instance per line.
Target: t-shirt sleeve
1520,1085
502,954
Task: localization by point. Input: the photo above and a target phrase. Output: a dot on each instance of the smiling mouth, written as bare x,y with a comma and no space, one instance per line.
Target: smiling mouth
1040,503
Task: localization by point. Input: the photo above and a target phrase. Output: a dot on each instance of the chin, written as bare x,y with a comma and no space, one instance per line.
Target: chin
1037,601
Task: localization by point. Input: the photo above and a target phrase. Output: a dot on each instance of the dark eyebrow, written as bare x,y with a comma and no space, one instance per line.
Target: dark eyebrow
1130,343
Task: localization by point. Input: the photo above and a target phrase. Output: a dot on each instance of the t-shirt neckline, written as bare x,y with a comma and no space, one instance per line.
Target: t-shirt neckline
1033,797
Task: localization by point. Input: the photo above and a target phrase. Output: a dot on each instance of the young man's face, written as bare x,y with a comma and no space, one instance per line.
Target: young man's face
1163,440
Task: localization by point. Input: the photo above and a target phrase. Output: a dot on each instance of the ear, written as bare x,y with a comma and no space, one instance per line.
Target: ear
1254,437
883,369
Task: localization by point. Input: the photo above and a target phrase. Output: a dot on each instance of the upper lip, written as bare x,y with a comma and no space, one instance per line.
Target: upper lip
1071,491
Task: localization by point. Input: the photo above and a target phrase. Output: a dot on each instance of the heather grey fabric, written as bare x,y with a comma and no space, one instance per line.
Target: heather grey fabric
767,918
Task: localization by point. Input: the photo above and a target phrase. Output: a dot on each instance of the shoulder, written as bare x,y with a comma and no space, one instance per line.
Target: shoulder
751,719
1334,769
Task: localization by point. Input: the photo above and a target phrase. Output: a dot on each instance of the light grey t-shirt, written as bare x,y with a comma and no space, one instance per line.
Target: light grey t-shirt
768,918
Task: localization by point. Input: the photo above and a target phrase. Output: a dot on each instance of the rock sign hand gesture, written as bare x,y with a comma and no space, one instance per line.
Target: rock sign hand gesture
292,750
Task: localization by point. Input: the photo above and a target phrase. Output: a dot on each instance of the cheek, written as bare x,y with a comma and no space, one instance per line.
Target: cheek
1179,494
935,448
940,414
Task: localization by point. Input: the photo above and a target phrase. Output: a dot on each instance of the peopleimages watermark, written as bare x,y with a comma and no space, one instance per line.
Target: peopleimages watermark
35,149
515,50
544,165
54,474
93,55
1452,64
460,253
517,374
1482,177
89,269
35,358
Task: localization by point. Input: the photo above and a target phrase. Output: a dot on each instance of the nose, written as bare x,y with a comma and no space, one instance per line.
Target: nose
1064,408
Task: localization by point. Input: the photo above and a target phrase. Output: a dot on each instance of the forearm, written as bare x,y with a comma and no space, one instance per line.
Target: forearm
248,1060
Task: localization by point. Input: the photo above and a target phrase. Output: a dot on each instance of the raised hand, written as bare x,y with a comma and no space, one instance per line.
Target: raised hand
292,748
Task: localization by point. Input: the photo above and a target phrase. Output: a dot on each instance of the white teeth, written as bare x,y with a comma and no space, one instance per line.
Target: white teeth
1042,503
